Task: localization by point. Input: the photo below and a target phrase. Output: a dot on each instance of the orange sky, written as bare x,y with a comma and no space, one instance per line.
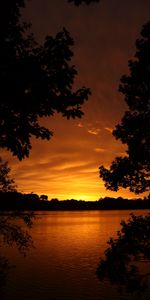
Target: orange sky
67,166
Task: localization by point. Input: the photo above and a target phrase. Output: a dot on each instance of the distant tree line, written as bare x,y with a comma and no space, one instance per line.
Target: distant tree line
18,201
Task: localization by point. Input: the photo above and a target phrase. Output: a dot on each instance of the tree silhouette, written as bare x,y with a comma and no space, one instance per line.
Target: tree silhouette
133,170
132,245
9,231
7,184
36,81
12,233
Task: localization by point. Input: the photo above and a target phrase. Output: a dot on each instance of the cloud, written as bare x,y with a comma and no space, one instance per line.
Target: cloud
109,129
94,131
90,127
67,165
80,125
99,150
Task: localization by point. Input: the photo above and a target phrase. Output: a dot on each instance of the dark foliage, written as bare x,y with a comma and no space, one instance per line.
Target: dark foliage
36,81
121,264
133,170
11,233
7,184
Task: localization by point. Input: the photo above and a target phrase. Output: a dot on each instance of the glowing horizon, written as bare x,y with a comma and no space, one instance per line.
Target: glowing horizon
67,166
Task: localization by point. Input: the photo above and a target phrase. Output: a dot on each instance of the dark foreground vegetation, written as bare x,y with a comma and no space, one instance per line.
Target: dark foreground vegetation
24,64
18,201
122,260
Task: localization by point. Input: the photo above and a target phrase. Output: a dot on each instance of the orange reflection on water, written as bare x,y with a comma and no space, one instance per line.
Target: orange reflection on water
68,246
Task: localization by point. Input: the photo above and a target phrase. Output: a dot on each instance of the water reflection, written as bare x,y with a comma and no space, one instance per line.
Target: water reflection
127,259
4,268
67,250
12,233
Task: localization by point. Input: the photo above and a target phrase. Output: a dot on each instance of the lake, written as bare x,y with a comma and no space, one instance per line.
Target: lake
62,266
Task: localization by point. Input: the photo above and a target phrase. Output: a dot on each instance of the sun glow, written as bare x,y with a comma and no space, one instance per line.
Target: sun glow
67,166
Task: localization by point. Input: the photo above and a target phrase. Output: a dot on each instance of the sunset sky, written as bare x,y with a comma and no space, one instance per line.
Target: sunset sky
67,166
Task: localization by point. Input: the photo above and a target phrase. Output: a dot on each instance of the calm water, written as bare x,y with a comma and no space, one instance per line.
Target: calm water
62,266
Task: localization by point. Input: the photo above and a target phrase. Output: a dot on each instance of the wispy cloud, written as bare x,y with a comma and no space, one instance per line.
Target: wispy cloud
67,166
109,129
99,149
80,125
94,131
90,127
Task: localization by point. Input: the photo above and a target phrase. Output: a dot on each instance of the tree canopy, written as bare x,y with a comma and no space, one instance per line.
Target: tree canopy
133,170
36,81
